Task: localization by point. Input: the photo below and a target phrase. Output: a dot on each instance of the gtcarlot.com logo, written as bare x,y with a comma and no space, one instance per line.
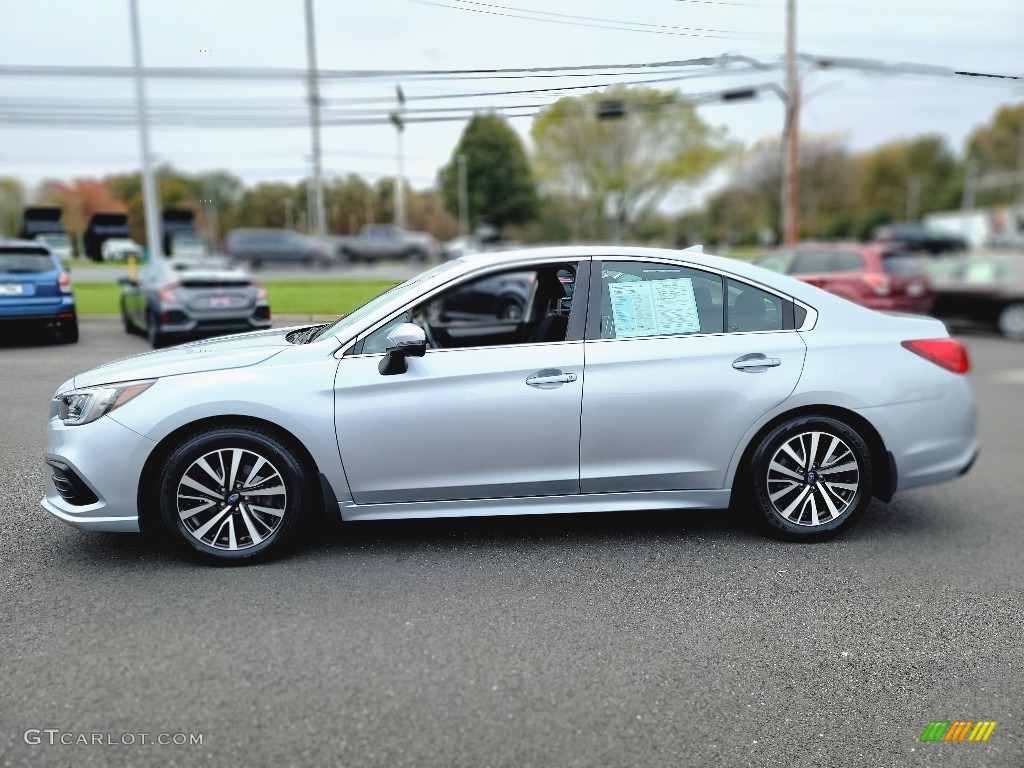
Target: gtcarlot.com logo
54,736
958,730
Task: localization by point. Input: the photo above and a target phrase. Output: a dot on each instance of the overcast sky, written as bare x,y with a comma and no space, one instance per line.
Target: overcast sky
982,35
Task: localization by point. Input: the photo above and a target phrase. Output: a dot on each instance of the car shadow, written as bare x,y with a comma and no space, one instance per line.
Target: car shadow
13,336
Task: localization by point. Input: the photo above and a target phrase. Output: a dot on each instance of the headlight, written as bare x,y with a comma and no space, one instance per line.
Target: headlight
80,406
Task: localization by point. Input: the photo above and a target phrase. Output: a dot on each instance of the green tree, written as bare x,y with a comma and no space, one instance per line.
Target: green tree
906,179
501,189
626,165
999,147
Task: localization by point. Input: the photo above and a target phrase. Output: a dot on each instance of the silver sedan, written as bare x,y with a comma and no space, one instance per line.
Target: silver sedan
633,379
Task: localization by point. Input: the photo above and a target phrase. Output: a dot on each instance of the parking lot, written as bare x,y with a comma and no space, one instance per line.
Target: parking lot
631,639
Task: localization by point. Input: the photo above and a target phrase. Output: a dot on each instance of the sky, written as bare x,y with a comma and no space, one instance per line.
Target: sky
861,110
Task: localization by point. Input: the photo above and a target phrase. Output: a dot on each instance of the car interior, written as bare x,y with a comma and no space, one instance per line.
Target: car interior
546,293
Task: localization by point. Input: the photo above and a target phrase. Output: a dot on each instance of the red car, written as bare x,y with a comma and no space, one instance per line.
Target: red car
871,275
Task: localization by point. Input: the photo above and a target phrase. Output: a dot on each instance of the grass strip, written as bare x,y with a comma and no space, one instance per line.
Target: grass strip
313,297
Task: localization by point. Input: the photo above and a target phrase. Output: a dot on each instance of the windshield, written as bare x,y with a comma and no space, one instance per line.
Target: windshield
367,309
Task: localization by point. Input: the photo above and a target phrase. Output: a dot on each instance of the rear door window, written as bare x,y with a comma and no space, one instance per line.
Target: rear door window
649,299
847,261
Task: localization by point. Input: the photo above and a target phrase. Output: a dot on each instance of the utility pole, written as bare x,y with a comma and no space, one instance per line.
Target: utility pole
463,196
913,197
150,199
791,149
399,123
317,217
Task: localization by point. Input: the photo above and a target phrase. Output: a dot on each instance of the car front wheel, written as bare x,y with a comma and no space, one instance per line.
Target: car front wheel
812,476
233,494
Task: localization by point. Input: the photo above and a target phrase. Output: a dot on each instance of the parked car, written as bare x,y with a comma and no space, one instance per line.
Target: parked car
662,380
917,237
869,275
35,289
188,246
985,289
385,241
119,249
174,300
59,243
259,246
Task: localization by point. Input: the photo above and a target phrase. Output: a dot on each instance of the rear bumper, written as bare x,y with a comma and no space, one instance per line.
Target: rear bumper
62,308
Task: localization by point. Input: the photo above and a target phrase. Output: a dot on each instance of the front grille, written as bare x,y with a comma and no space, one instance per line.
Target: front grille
69,485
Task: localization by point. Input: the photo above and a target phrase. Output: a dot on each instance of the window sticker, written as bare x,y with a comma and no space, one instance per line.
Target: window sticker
654,308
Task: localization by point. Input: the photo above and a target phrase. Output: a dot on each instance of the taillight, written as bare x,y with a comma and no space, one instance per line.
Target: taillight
168,294
64,281
878,283
948,353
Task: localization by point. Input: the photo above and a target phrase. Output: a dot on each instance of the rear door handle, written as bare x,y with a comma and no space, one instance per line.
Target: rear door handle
755,363
549,378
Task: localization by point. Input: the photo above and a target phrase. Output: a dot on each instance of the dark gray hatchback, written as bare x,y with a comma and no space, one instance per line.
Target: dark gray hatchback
175,300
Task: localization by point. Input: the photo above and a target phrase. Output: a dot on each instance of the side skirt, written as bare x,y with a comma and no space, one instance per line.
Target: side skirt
539,505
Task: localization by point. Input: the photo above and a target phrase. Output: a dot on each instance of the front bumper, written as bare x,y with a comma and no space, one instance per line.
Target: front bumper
103,461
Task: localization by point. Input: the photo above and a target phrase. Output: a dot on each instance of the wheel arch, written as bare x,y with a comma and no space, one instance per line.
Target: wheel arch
883,464
148,495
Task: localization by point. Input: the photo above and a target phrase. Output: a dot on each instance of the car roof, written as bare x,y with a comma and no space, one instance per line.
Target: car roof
15,242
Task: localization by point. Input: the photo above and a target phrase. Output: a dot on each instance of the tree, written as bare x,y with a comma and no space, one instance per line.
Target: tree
999,147
501,188
906,179
623,166
12,203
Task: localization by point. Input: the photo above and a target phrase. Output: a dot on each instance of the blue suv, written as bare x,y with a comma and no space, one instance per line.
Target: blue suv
35,289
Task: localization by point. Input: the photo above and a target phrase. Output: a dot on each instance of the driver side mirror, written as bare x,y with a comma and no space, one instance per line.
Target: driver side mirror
407,340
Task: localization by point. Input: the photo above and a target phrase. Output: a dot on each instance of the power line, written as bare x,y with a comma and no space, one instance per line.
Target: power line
588,18
576,23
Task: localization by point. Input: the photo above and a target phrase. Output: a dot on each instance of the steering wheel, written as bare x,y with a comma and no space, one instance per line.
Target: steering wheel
421,318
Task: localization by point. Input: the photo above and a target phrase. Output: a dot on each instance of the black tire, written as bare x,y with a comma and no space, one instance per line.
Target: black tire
249,520
129,326
156,338
69,331
415,256
803,495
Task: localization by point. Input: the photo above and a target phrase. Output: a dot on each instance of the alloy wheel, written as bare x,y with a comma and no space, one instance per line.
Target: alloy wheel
231,499
813,479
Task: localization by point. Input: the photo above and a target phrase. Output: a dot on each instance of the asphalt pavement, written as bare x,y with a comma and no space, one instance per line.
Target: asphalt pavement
639,639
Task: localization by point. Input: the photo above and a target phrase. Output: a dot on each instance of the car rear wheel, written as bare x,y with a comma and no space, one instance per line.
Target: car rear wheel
812,476
1011,321
233,494
510,311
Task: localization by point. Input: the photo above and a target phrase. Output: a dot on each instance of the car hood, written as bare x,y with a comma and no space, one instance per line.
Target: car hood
217,354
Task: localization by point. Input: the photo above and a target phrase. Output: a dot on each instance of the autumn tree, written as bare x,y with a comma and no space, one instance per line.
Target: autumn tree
500,185
653,143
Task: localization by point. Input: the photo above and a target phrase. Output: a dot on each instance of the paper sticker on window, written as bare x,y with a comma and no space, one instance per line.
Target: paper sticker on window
654,308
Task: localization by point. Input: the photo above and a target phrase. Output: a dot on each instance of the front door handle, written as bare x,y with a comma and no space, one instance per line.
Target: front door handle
755,363
549,378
